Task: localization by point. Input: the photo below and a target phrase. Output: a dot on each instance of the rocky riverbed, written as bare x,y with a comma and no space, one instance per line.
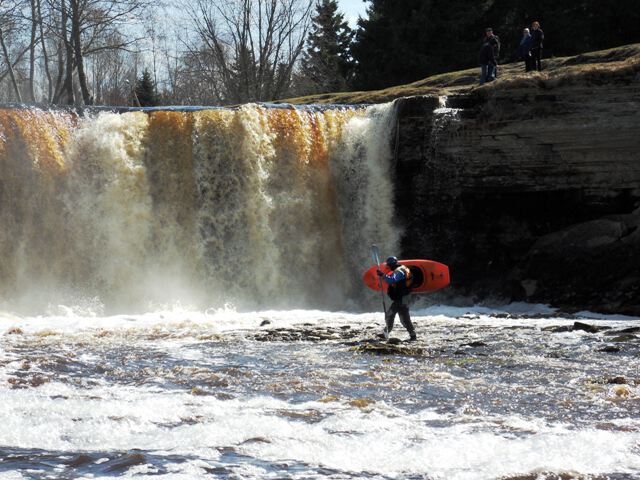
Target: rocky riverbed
482,394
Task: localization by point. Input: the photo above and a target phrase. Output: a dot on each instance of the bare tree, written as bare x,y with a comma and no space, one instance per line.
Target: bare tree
45,54
81,29
82,51
9,24
251,45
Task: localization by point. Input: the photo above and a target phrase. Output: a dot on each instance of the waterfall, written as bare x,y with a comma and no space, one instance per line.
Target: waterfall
258,207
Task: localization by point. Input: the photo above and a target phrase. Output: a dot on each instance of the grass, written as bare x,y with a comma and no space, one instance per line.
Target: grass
619,65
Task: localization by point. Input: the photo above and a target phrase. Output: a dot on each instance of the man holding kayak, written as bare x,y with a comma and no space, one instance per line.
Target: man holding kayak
399,280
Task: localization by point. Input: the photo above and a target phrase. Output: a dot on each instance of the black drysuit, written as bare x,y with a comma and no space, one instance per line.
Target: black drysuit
399,288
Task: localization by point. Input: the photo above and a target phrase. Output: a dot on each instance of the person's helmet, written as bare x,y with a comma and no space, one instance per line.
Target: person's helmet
392,262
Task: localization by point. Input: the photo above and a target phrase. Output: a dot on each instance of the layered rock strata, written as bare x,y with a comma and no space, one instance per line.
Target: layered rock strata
528,193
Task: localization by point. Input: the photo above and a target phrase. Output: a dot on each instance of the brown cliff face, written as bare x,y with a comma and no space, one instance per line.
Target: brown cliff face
528,193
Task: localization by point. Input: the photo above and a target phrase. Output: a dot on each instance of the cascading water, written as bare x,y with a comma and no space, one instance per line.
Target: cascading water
255,206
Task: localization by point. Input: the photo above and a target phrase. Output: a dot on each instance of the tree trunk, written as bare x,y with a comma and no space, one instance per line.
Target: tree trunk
57,91
9,66
67,89
77,48
32,51
45,54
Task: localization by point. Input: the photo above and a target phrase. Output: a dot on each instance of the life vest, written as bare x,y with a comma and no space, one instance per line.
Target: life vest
400,289
407,275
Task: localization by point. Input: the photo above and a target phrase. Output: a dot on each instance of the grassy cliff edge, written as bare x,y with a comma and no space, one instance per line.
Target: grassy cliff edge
620,64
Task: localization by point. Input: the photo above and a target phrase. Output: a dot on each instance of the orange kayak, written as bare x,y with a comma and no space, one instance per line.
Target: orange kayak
427,275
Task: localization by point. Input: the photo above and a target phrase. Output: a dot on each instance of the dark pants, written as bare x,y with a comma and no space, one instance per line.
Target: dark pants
536,59
487,73
529,63
402,309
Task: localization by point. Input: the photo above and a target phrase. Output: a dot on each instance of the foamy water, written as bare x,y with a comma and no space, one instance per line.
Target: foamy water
259,206
483,394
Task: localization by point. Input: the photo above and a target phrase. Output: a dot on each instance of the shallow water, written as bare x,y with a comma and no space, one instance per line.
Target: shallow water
309,394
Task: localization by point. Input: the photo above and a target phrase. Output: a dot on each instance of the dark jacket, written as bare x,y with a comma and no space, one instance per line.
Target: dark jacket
399,281
494,41
537,37
487,55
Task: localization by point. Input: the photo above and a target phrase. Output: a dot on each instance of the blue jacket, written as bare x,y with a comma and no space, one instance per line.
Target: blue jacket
525,47
394,277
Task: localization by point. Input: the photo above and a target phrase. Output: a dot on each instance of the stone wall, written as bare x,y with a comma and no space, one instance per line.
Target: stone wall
527,194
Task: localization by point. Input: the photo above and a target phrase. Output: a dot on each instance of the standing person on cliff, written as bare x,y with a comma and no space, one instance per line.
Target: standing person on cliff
399,281
537,38
524,50
494,41
487,59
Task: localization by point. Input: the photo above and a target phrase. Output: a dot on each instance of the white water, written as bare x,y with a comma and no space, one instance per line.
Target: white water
259,207
194,391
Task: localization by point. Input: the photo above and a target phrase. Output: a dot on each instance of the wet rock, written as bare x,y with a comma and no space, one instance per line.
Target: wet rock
586,327
361,402
198,391
385,348
126,461
618,380
38,380
610,349
624,338
219,472
328,399
475,344
311,416
621,391
27,382
265,322
558,328
546,476
194,420
80,460
249,441
624,330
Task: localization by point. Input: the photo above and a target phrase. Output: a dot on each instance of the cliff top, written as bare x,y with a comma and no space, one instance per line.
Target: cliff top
594,68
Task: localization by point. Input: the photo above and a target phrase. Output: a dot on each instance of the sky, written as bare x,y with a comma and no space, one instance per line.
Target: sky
352,9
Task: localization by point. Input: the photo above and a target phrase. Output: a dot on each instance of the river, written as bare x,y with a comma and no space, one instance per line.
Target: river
482,394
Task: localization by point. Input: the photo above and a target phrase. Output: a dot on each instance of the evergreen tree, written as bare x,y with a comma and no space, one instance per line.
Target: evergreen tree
326,62
145,90
402,41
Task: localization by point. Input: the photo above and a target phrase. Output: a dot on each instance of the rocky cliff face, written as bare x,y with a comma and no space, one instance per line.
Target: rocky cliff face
528,193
